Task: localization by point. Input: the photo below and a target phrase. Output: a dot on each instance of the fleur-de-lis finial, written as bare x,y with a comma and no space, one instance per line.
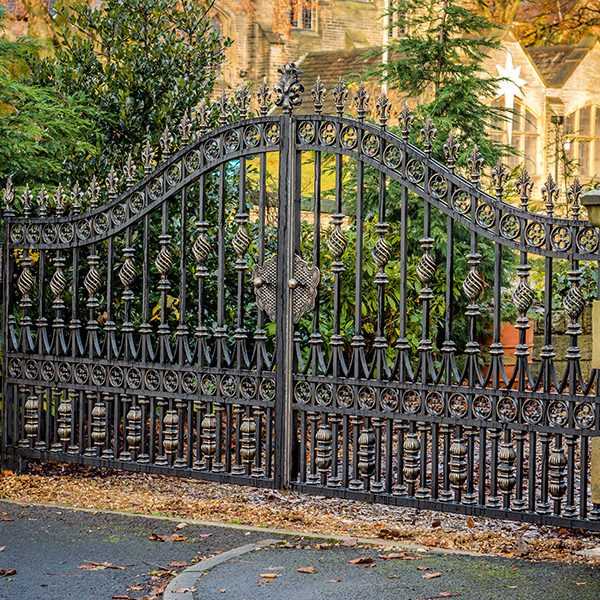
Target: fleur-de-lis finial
42,202
76,196
428,133
574,197
26,200
525,186
111,183
361,100
340,96
202,114
147,156
451,148
242,100
185,127
9,197
59,201
93,193
499,177
129,170
383,108
165,141
475,163
406,119
265,98
550,194
289,88
318,94
223,108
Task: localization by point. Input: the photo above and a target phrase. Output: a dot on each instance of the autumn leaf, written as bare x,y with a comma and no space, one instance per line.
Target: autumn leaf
269,576
398,556
470,522
7,572
308,570
432,575
173,537
361,560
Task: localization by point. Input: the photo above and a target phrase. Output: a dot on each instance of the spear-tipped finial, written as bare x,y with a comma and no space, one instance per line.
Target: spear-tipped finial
475,163
550,194
383,108
242,101
406,119
451,148
525,187
318,94
340,96
265,98
499,177
111,183
76,197
59,201
129,170
361,101
166,141
8,197
574,197
223,108
289,88
428,133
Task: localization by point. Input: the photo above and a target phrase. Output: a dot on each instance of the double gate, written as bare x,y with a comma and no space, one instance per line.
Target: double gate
307,301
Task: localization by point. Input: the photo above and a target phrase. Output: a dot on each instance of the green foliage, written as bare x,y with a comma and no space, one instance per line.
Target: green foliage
142,64
42,130
439,60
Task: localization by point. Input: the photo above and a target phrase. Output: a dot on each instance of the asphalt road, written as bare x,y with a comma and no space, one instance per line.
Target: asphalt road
430,577
47,547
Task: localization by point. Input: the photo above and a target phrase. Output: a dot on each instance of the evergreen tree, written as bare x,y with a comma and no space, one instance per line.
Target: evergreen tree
42,131
438,60
142,63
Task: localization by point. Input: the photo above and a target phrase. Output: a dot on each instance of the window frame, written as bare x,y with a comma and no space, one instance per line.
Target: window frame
578,140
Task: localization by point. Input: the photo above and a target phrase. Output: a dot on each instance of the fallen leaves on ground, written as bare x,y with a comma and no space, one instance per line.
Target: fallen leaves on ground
173,537
100,566
398,556
308,570
431,575
7,572
103,489
269,575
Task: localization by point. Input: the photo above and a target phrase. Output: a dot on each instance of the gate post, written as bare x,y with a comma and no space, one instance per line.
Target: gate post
591,200
289,91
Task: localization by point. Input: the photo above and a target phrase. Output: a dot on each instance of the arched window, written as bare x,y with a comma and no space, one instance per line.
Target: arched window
303,14
583,131
520,131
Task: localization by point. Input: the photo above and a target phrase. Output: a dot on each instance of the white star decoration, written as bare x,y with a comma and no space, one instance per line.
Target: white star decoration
510,87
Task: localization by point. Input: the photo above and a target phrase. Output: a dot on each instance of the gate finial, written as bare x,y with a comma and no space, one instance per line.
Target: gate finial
263,96
289,88
9,197
549,194
574,196
524,185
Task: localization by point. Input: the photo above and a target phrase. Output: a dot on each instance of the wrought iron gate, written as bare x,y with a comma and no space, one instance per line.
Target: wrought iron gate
301,300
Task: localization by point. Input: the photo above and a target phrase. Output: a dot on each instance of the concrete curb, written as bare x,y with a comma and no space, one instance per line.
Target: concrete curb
182,586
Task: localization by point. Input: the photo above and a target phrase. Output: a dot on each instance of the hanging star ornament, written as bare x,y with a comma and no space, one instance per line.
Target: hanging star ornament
510,86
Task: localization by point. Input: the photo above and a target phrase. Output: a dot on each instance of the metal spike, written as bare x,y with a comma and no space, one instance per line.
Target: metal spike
574,197
289,88
42,202
499,177
147,156
265,98
318,94
185,128
525,186
383,108
165,141
428,133
475,162
406,119
549,195
451,148
340,96
93,193
242,101
9,197
361,101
